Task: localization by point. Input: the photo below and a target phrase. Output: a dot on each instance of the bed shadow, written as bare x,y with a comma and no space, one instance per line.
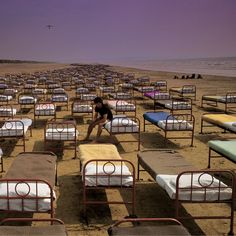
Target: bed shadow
70,203
204,138
8,146
152,201
156,140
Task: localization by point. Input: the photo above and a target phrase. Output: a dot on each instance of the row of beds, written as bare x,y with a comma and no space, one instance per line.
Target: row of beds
116,172
32,190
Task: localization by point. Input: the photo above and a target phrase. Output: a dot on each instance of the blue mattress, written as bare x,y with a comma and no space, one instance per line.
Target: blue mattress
154,117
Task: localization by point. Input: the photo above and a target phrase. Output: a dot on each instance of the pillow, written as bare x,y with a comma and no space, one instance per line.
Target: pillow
197,180
122,121
175,125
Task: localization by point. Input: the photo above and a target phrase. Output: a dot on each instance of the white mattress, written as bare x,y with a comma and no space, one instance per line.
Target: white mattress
229,99
175,125
60,133
44,109
92,169
188,90
121,95
82,90
122,125
162,96
59,98
43,190
6,98
126,85
82,108
230,125
88,97
52,86
168,182
178,105
4,111
121,105
27,100
39,91
58,90
146,89
107,89
15,128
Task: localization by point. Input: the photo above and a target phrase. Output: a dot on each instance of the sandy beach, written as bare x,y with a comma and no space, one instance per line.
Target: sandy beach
151,200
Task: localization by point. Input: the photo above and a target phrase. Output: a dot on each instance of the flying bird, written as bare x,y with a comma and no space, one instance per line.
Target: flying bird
49,26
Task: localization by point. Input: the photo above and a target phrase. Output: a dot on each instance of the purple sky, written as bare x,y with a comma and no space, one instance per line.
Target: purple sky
100,30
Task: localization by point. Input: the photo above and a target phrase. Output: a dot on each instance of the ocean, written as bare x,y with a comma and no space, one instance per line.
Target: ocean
222,66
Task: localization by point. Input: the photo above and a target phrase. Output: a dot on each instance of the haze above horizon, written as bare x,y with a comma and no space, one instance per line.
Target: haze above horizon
111,30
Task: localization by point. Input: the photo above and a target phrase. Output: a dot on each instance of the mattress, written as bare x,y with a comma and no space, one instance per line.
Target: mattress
107,89
145,89
223,120
59,98
27,100
88,97
119,174
213,98
151,94
5,98
58,90
32,166
154,117
82,108
174,125
39,91
15,127
82,90
44,109
212,184
126,85
61,133
122,125
226,148
121,96
178,105
121,105
5,111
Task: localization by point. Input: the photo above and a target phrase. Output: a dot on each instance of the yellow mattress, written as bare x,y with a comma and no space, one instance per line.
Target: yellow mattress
219,119
98,151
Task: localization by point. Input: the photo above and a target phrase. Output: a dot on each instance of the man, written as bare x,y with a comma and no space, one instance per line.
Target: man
102,115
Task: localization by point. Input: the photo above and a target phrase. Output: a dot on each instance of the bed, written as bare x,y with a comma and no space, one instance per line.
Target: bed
106,90
16,128
103,168
157,95
181,123
184,91
223,121
7,111
31,189
228,100
40,93
160,85
144,89
5,99
122,106
80,91
55,228
183,105
44,109
120,96
58,130
122,124
11,92
88,97
82,107
225,149
60,100
25,100
140,226
185,184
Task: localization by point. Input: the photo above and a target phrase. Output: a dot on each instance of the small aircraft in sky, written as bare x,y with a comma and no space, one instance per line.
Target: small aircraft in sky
49,26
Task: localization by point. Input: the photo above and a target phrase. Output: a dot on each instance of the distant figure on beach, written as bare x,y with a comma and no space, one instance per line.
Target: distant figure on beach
176,77
192,76
183,77
199,76
102,115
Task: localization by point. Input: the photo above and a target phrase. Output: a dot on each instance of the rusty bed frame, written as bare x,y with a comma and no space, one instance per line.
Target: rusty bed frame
82,107
21,194
61,130
177,121
228,100
178,199
126,125
187,90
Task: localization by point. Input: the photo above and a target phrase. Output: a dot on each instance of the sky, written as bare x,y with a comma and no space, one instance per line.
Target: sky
113,30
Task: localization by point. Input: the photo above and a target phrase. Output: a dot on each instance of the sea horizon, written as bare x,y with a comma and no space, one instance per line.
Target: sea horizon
218,66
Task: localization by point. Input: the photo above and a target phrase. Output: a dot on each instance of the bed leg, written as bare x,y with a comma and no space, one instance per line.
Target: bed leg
201,126
209,159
